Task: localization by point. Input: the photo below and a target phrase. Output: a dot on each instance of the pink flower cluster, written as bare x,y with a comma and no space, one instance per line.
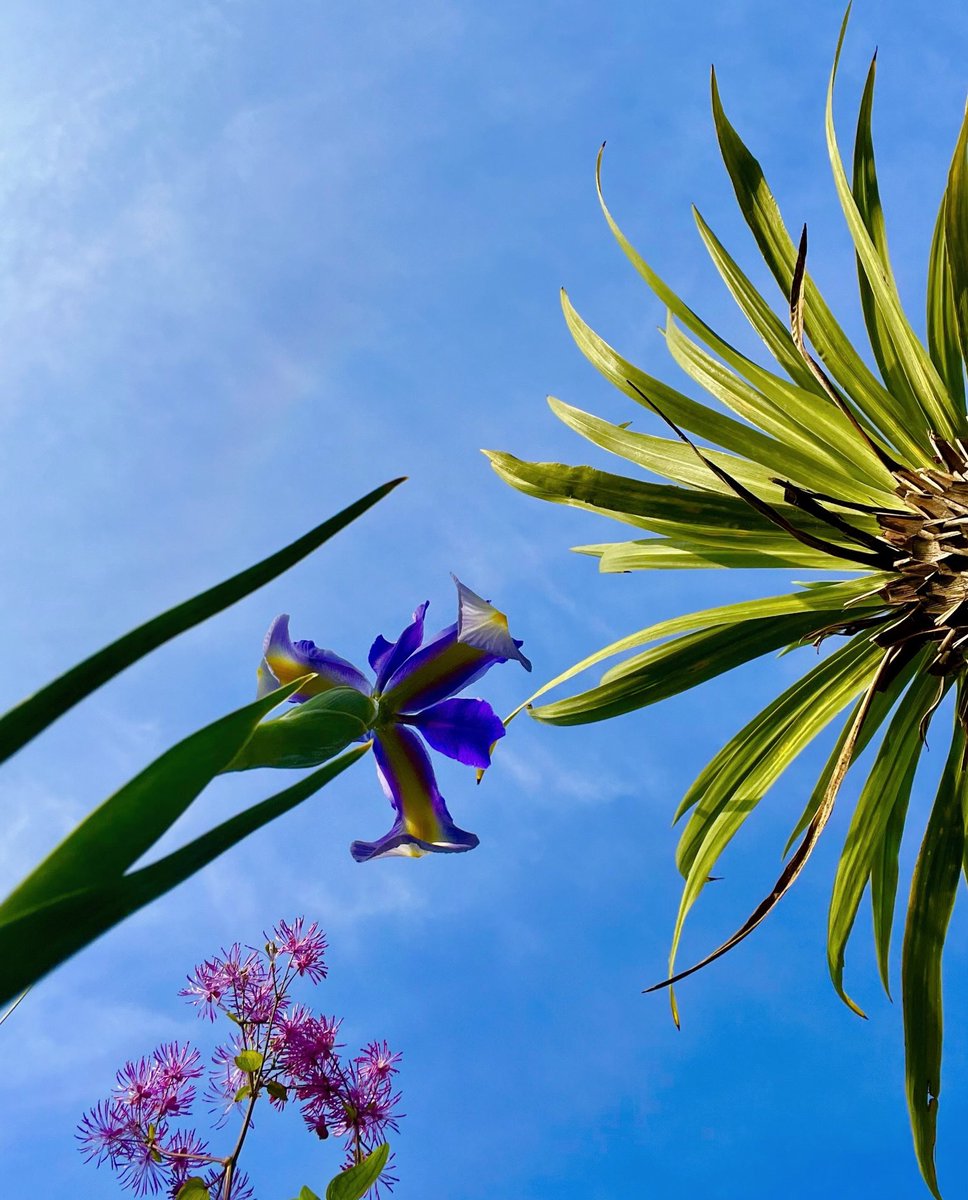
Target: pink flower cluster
278,1050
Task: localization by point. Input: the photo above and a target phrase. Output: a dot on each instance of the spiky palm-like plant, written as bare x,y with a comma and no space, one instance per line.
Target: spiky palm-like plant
826,466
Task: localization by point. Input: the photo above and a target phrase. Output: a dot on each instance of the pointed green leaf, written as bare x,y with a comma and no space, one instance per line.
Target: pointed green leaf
821,446
726,432
738,777
887,786
878,712
956,236
668,459
766,224
774,332
809,404
699,549
936,877
34,941
822,598
661,508
938,412
679,665
868,201
126,825
942,319
24,722
884,880
354,1183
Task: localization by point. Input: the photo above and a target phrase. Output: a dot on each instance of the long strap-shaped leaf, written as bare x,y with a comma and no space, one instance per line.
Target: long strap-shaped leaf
781,409
664,457
729,789
824,597
942,319
956,233
939,414
763,217
24,722
126,825
799,859
705,422
821,442
885,873
868,200
765,551
659,507
730,786
39,938
933,887
888,784
757,311
677,666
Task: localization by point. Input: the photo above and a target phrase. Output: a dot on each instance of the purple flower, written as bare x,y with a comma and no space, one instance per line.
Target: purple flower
378,1061
175,1067
416,688
184,1151
305,949
106,1133
239,981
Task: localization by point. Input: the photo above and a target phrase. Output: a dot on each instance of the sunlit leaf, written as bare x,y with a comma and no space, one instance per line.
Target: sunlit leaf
355,1182
888,786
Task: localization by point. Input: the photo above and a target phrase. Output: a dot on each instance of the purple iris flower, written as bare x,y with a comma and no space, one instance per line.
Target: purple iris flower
416,689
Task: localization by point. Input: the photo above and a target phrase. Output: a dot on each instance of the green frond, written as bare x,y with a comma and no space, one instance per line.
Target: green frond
814,463
937,874
955,209
888,787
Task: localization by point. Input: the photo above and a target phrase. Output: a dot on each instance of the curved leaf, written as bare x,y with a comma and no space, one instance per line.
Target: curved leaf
126,825
356,1181
666,458
955,208
658,507
936,877
939,414
942,319
763,217
702,549
24,722
679,665
34,939
888,785
822,598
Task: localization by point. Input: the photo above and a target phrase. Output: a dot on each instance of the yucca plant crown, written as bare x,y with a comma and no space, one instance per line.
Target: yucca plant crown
827,467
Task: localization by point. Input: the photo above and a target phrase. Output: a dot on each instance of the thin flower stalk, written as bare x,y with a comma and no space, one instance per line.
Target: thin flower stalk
278,1053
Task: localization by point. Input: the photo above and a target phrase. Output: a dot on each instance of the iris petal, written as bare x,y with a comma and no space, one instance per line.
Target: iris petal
481,625
285,660
423,824
455,658
386,657
465,730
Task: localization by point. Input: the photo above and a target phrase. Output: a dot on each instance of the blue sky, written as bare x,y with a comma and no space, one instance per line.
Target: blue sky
257,259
